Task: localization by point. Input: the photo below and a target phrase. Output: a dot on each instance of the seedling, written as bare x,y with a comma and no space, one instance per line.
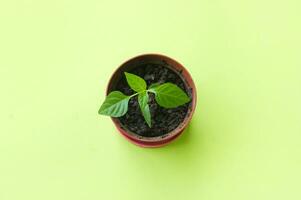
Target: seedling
167,95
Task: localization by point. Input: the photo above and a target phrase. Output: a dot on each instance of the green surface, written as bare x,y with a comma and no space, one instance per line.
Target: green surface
244,142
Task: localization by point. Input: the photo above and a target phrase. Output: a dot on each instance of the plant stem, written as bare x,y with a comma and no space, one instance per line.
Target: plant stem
142,92
134,94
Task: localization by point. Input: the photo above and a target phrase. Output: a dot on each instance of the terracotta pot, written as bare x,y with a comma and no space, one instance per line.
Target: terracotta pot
173,65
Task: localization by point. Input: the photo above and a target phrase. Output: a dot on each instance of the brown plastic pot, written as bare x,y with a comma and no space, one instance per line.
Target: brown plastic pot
176,67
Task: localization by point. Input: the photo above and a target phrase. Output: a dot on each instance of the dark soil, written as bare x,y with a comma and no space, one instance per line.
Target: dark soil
163,120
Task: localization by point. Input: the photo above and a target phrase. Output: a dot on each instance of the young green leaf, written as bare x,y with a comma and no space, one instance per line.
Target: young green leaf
169,95
143,103
115,105
153,85
135,82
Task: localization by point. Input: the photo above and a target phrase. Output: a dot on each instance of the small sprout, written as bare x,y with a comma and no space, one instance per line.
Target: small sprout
167,95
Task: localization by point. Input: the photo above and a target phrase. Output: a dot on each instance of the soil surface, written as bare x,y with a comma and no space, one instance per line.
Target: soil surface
163,120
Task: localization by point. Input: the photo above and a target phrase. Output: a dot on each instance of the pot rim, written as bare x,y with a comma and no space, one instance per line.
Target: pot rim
168,137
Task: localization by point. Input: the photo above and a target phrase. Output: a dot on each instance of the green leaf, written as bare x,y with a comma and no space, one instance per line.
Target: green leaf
135,82
143,102
169,95
153,85
115,105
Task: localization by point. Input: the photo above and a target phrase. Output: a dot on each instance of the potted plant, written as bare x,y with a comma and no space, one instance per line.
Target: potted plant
151,99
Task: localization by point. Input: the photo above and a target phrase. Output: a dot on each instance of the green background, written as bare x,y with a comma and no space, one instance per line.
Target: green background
243,143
